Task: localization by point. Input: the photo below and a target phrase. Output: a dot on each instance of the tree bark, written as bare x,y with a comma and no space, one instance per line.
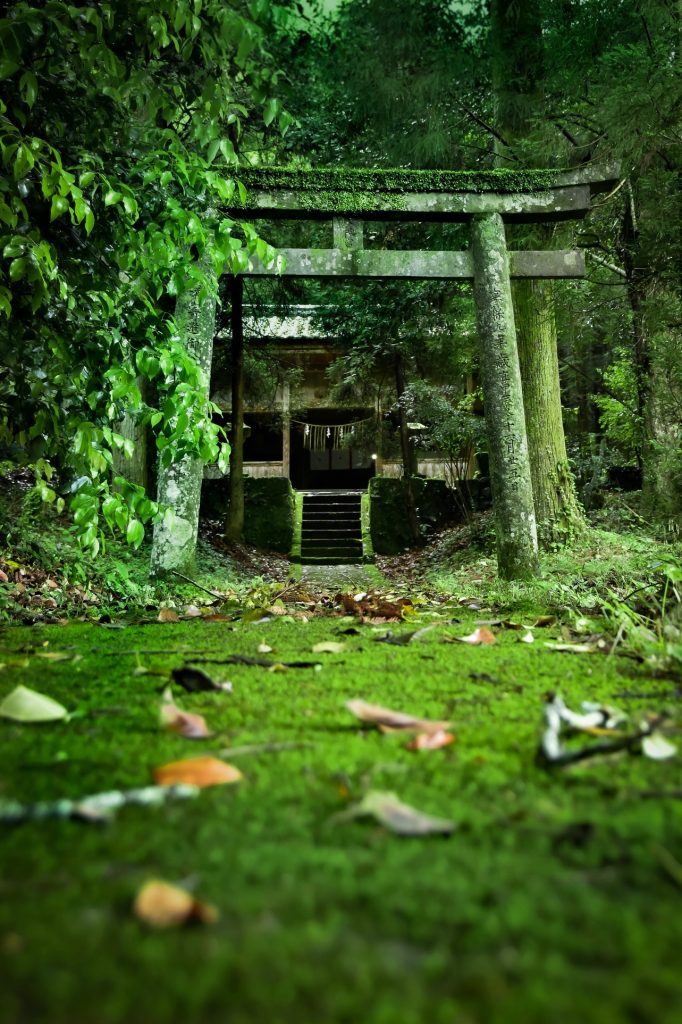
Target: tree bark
407,450
234,529
558,514
517,546
136,467
517,83
179,483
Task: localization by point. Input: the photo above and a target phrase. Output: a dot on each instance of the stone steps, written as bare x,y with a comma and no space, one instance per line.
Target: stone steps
331,530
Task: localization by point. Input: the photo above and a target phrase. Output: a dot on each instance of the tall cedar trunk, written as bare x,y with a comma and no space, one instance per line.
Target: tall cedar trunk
517,83
135,468
407,450
179,483
557,511
517,548
234,528
656,370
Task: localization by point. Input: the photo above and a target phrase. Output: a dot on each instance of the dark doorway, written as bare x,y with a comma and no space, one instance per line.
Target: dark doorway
349,466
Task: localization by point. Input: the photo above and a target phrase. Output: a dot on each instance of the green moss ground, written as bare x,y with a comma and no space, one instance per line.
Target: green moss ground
551,902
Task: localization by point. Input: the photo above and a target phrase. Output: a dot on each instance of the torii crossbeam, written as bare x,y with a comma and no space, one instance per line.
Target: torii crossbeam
486,201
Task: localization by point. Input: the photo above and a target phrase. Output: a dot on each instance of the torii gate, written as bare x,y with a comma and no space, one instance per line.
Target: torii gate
486,201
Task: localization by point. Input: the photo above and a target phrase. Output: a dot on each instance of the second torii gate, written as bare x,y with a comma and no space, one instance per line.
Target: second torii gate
484,200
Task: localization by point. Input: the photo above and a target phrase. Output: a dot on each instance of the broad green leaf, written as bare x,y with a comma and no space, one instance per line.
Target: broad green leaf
18,268
59,207
135,533
25,705
24,161
28,86
270,111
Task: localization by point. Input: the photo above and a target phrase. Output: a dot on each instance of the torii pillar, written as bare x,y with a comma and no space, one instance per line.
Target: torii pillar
517,536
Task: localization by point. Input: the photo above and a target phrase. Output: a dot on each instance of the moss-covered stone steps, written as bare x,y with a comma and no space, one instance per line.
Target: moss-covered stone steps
331,531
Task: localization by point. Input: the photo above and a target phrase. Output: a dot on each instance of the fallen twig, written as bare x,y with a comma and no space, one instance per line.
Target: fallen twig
244,659
197,585
264,748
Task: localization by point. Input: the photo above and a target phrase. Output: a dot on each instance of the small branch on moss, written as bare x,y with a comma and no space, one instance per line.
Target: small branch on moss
195,584
264,748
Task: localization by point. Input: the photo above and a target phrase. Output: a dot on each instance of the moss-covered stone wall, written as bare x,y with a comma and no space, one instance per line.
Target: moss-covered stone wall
269,509
388,511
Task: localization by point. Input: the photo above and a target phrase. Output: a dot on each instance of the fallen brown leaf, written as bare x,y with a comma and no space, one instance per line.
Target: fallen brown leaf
168,615
431,741
482,635
163,905
197,771
184,723
393,721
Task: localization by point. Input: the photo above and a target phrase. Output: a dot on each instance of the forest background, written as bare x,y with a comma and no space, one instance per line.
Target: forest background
124,129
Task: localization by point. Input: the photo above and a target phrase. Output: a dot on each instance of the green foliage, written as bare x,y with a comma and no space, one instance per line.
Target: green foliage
619,418
121,128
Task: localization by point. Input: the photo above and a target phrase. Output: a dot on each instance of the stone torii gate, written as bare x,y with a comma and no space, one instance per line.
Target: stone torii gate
485,201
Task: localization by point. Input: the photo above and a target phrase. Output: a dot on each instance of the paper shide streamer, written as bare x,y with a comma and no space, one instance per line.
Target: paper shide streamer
318,437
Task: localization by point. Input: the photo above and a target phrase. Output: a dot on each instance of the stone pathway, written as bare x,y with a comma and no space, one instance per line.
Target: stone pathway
339,577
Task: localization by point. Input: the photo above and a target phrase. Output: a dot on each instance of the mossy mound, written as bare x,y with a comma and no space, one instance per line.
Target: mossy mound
389,525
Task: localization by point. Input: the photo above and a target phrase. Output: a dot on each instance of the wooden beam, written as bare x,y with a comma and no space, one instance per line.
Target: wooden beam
417,264
559,203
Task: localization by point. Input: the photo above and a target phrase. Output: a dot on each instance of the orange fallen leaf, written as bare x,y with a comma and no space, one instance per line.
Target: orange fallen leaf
197,771
163,905
184,723
482,635
392,721
431,741
168,615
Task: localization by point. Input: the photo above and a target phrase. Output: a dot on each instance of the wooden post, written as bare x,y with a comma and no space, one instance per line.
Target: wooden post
517,544
286,430
235,513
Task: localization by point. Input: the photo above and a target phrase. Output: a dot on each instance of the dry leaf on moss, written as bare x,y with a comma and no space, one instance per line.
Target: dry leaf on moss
431,741
195,681
396,816
482,635
657,747
197,771
163,905
168,615
329,647
393,721
184,723
26,705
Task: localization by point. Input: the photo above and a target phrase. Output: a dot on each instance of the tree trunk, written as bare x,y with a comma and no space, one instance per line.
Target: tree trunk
557,511
136,467
517,547
234,529
179,483
407,450
517,83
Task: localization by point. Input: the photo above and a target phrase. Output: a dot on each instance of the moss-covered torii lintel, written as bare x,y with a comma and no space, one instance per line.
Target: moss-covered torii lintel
282,193
485,200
